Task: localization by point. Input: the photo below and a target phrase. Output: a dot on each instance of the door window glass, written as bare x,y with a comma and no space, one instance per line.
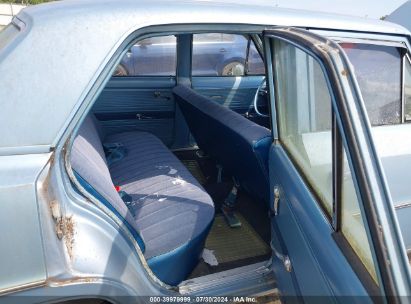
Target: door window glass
219,54
378,71
155,56
304,117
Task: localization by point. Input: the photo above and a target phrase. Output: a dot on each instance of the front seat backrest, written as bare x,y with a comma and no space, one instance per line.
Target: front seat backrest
238,144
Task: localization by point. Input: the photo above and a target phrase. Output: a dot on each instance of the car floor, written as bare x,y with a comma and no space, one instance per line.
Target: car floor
231,247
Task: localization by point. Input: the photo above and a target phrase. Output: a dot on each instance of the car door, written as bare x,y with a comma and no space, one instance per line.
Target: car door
333,225
138,96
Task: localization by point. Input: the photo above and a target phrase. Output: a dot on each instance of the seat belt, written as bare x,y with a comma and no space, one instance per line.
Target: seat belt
114,152
127,199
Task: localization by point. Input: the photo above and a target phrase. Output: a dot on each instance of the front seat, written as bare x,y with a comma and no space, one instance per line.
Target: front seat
238,144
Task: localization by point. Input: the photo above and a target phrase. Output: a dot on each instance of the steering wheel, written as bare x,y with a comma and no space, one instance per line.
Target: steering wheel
255,101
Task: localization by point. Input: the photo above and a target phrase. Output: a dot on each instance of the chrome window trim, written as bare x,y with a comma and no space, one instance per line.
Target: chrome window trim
379,42
403,89
363,37
402,205
403,116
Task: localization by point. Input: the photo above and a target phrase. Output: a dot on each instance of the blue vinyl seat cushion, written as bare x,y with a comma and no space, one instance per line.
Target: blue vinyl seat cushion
173,213
169,209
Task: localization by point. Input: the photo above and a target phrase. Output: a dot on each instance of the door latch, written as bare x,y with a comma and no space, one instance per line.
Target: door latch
276,199
158,95
142,117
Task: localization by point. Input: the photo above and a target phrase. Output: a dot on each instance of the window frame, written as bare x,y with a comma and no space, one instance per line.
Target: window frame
328,215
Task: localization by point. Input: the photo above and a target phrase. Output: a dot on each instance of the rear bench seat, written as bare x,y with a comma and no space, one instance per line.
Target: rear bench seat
169,213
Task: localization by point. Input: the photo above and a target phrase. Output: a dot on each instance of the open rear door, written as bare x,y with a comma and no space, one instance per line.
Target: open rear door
334,228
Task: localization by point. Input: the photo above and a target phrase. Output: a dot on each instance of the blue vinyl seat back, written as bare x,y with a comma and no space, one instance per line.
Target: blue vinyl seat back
239,145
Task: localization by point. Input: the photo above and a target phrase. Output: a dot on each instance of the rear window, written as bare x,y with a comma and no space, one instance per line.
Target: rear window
378,71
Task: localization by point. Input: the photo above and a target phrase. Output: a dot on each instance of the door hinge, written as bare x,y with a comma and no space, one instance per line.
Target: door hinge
282,257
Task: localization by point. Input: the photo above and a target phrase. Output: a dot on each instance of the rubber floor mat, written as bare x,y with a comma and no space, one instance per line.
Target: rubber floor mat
232,244
195,170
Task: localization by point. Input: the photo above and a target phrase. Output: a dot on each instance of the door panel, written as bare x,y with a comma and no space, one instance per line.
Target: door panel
319,266
235,93
138,103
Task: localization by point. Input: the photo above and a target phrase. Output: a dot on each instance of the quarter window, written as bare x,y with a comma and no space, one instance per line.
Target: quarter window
155,56
219,54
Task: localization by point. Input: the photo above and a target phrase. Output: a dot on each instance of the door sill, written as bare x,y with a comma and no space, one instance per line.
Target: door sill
251,280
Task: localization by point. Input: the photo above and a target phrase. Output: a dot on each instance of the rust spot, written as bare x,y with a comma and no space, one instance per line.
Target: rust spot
52,159
65,230
344,73
72,280
68,230
55,209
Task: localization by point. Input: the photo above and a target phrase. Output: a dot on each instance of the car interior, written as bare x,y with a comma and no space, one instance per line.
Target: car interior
178,146
178,151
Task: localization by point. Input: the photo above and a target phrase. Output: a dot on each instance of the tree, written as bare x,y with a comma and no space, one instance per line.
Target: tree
25,2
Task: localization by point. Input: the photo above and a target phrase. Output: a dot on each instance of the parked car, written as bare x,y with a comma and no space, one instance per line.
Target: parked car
179,182
214,54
